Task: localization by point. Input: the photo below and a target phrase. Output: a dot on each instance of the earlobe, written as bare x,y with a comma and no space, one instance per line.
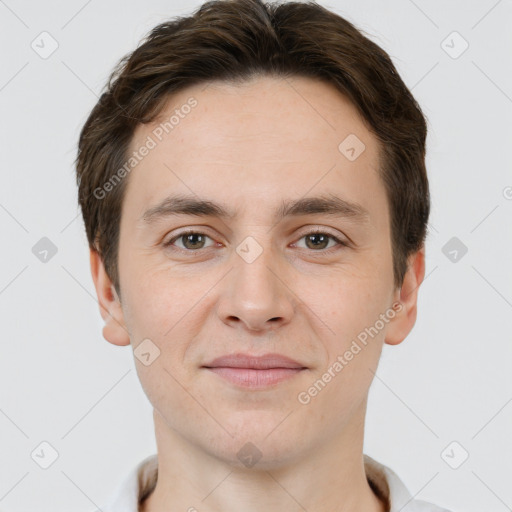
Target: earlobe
403,322
114,330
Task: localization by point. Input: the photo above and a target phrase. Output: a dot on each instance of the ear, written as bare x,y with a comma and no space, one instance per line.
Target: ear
407,296
114,330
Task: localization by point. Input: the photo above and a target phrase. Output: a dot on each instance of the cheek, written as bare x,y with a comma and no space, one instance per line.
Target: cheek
352,310
170,310
352,353
161,312
348,301
158,298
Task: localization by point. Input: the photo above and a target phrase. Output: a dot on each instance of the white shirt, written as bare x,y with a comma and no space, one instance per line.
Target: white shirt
385,483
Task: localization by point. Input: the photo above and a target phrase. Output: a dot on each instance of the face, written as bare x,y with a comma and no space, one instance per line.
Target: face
291,255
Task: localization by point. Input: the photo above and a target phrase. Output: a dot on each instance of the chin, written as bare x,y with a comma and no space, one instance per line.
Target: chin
260,446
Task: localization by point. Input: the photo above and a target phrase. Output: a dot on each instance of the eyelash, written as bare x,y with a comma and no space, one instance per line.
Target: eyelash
317,231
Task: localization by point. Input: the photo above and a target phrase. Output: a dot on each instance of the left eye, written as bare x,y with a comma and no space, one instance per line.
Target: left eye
319,240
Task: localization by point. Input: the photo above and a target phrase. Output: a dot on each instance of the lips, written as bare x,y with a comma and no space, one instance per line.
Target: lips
254,372
264,362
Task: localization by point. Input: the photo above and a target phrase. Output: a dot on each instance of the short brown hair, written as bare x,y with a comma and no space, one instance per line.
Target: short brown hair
234,40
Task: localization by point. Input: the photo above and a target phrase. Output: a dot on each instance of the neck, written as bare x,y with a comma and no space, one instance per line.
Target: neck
325,478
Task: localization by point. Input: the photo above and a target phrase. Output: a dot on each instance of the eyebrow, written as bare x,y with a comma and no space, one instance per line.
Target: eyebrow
188,205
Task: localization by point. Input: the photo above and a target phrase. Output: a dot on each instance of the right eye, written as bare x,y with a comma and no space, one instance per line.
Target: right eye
191,240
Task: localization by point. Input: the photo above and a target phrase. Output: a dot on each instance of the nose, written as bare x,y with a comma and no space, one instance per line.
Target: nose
256,294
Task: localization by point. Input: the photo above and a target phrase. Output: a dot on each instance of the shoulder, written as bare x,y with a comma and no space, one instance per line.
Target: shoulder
393,491
424,506
135,484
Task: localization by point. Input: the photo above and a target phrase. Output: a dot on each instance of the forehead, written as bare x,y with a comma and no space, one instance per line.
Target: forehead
265,140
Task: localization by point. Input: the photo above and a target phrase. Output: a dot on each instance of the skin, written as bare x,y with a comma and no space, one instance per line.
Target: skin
249,147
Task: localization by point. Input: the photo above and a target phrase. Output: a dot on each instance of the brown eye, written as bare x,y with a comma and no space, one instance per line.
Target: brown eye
317,240
193,241
190,240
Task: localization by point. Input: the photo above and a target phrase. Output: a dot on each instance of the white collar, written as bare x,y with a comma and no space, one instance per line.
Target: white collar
383,479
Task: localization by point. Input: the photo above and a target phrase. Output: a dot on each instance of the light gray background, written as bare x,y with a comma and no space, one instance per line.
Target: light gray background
61,382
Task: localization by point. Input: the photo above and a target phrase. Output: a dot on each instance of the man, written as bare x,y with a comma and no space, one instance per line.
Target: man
254,192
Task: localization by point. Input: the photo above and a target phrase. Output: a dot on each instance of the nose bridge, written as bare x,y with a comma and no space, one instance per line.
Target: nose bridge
253,262
256,295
